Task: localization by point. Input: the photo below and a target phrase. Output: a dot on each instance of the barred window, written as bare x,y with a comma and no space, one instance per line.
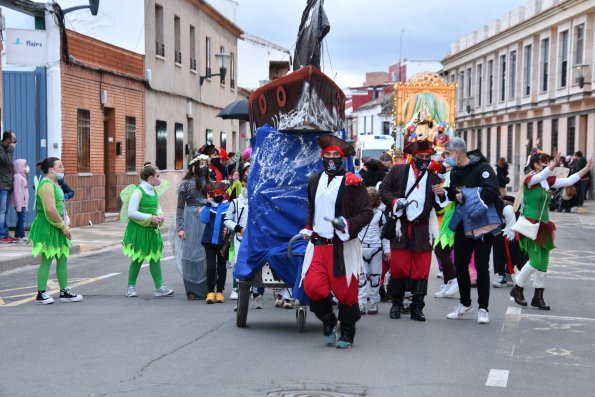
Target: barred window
509,145
570,134
498,142
554,135
83,122
529,137
130,144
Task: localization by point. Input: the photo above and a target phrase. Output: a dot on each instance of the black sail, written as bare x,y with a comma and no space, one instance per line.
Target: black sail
313,27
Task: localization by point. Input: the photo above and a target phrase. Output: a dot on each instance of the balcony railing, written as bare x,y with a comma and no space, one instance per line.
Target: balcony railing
178,56
192,63
160,48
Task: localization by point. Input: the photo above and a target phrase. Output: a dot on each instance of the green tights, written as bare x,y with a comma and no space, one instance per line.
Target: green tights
44,271
155,267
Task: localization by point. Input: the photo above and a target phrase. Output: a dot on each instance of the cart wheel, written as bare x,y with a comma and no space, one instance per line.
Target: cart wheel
243,301
300,316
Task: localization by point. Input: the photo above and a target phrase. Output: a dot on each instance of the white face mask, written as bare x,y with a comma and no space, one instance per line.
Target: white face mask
27,169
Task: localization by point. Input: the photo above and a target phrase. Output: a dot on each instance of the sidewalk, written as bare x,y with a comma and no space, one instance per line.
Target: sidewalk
84,239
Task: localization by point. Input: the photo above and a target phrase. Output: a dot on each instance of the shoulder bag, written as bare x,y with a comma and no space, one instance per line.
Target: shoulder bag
526,227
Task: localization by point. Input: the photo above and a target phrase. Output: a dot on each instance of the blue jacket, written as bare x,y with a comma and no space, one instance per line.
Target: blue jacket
213,217
475,214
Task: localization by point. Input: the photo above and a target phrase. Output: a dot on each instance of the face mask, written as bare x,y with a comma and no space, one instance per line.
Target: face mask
218,199
451,162
27,169
421,164
59,175
216,161
332,165
204,170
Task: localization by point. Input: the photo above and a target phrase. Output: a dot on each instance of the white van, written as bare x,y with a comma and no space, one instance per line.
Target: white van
373,145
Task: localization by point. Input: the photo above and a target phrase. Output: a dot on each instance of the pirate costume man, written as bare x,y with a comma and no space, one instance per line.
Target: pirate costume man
338,208
407,193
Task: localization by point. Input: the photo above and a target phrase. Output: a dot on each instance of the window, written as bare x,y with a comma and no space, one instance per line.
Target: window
563,45
386,127
545,63
529,137
372,124
570,136
502,77
365,124
83,123
208,56
469,82
192,48
479,133
498,143
479,84
223,139
490,81
539,142
527,70
554,135
512,76
159,44
579,36
232,71
179,145
489,143
509,145
222,51
461,89
178,51
209,136
130,144
161,144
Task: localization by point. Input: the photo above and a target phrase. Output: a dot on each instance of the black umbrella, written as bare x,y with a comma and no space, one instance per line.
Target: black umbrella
237,110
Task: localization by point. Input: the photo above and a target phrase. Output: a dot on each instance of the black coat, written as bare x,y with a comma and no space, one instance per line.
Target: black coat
502,174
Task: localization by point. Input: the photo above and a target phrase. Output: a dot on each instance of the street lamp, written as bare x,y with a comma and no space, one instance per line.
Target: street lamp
580,80
222,60
93,6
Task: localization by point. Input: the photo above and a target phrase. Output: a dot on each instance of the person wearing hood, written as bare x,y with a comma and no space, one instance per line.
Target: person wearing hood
471,170
414,182
20,198
376,171
7,148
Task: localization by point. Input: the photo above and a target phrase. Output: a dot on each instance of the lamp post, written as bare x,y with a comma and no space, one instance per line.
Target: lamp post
222,61
580,80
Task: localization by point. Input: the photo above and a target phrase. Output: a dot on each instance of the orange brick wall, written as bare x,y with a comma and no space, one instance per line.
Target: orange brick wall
98,191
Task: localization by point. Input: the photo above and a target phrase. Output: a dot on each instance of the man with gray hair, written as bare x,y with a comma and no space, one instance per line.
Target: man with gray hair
474,186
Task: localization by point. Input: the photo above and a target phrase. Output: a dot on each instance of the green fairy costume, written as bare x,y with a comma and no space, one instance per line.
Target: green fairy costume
46,236
142,240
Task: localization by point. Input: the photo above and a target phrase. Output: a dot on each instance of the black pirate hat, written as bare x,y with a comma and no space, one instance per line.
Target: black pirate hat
329,141
420,146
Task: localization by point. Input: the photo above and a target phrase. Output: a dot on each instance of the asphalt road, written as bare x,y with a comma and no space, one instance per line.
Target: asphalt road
110,345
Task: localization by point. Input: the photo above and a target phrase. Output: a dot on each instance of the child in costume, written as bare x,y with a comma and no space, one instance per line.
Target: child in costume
19,199
212,215
49,235
142,238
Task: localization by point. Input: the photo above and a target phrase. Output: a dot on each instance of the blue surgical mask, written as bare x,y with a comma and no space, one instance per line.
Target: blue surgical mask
451,162
60,175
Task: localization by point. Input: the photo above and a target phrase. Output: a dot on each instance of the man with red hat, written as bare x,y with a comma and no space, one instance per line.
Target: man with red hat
338,208
410,191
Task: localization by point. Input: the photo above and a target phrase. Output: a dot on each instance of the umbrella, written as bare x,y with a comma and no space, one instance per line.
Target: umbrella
237,110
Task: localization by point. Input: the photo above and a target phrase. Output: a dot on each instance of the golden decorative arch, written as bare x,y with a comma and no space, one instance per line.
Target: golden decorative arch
421,83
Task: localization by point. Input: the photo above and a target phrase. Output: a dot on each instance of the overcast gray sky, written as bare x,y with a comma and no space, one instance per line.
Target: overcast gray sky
365,35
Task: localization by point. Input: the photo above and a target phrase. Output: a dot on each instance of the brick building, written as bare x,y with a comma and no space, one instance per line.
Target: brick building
103,125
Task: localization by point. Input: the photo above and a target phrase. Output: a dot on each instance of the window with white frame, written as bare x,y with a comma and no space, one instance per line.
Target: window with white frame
545,63
461,89
479,84
563,46
490,81
579,41
512,76
527,69
502,77
469,85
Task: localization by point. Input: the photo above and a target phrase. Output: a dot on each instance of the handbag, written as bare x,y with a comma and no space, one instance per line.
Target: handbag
526,227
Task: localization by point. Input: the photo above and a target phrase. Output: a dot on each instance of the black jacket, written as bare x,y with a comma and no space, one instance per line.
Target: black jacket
502,173
478,173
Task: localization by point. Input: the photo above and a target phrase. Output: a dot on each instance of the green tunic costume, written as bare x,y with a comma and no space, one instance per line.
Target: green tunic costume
47,238
534,208
142,240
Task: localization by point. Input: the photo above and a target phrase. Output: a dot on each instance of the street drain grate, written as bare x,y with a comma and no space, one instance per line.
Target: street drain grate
308,393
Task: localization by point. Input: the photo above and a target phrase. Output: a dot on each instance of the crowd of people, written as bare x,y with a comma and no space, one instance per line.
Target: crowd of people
371,233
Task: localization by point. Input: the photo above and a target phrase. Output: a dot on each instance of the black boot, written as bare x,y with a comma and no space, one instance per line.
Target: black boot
538,301
323,309
419,290
517,294
397,289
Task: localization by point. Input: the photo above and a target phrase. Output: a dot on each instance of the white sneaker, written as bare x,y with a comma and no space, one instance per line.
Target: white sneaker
461,312
43,298
362,309
131,292
440,275
452,289
257,302
482,316
279,301
234,295
163,291
440,293
287,304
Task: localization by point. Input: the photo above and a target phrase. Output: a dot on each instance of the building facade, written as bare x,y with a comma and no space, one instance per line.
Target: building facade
526,80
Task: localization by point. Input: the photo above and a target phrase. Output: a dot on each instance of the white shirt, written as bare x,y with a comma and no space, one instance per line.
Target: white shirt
324,205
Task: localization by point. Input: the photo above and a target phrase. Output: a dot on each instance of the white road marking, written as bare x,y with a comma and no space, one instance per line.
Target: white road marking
513,310
32,296
524,315
167,258
497,378
145,265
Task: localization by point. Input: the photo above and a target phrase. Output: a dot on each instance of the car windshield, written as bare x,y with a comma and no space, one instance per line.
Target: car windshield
374,153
